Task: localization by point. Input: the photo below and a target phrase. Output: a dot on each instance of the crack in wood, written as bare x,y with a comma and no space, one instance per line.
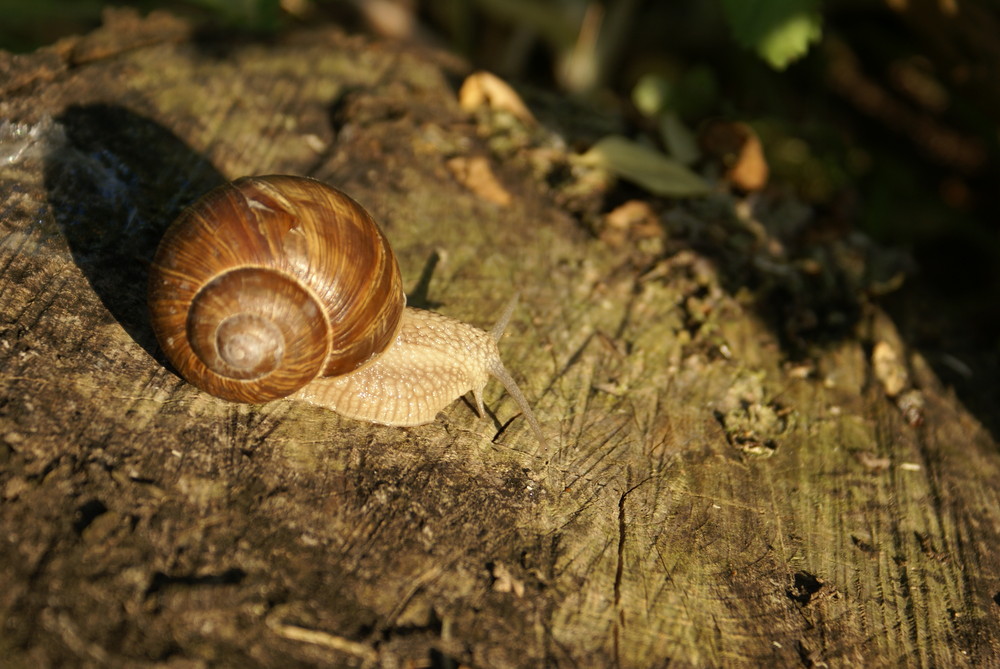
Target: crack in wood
619,613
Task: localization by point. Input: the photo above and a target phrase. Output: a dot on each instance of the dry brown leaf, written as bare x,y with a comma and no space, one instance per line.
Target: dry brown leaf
634,219
476,174
504,581
889,369
485,88
737,147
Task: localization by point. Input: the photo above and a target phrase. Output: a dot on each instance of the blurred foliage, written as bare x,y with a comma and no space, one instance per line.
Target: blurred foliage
30,24
780,31
869,135
654,171
884,119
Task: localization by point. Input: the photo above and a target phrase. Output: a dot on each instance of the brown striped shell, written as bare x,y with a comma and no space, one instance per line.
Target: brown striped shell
267,283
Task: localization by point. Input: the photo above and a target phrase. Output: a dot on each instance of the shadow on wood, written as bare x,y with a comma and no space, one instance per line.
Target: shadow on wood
114,186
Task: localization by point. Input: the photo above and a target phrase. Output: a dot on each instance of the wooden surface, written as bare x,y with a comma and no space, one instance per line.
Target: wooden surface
707,498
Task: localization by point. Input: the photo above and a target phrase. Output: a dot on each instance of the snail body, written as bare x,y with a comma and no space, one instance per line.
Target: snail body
282,286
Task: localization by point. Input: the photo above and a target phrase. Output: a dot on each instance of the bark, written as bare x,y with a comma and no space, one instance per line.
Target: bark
709,495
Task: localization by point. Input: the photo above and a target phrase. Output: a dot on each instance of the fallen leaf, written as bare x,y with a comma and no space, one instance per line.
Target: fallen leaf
630,220
738,149
475,174
645,167
504,581
888,368
680,142
486,89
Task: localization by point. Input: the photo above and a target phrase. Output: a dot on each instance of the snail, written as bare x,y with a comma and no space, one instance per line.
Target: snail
282,286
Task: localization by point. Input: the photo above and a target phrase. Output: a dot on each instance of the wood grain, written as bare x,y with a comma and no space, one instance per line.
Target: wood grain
706,500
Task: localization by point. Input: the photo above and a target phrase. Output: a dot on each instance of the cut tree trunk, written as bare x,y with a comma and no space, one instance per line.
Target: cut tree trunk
701,499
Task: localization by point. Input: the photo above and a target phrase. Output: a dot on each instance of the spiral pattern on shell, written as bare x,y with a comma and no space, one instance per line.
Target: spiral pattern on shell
266,283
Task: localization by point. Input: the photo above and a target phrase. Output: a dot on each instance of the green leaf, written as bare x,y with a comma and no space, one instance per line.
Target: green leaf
645,167
678,139
780,31
651,94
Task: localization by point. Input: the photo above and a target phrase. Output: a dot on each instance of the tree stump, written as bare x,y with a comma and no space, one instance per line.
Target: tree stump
704,498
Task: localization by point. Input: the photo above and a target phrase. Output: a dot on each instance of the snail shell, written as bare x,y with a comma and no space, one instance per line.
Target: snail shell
267,283
278,286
